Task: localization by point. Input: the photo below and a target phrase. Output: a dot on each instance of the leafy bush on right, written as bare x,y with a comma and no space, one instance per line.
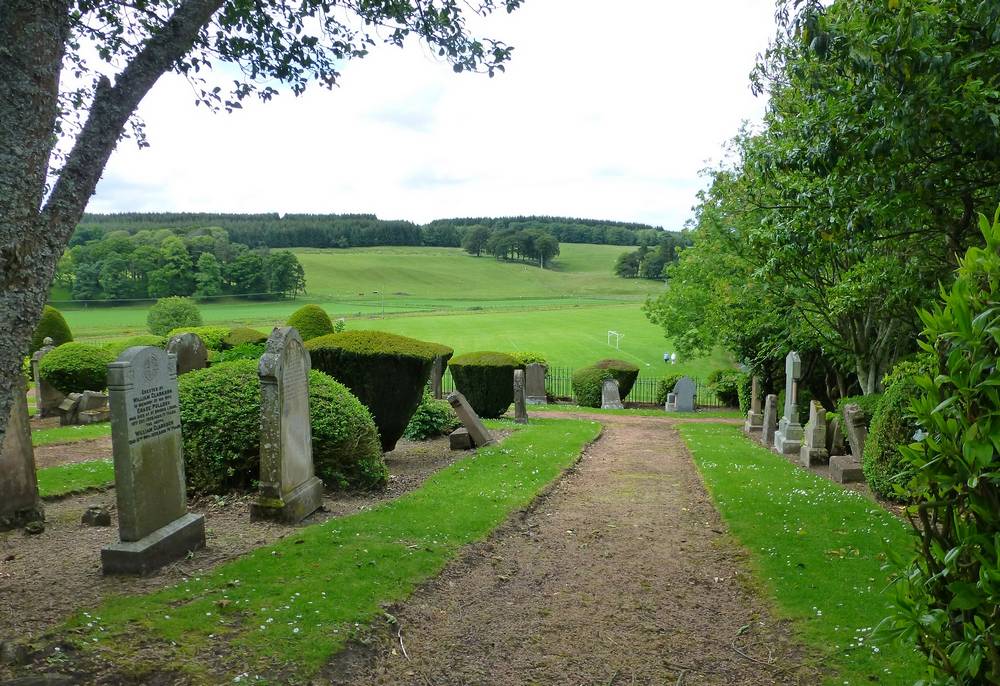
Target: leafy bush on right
431,418
725,383
172,313
76,367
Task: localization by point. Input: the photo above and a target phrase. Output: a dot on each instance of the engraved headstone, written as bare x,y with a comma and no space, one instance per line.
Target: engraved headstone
788,438
813,451
684,392
153,522
857,429
19,503
437,374
289,488
610,397
755,418
190,351
47,396
534,379
671,405
770,420
520,405
470,420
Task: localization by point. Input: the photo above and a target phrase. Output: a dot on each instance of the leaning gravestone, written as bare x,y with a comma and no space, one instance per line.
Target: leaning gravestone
47,396
437,374
847,468
684,392
534,380
289,488
834,436
190,351
813,451
19,503
470,420
520,406
788,438
610,397
755,418
153,522
770,420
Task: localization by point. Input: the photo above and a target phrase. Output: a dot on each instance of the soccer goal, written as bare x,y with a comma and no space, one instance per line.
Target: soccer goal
616,337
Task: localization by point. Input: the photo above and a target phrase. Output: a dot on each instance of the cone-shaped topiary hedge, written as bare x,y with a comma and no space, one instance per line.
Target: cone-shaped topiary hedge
588,383
51,325
625,373
486,379
76,367
311,321
241,335
220,423
385,371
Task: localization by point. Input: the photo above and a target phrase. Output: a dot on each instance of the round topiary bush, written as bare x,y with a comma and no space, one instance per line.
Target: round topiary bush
76,367
172,313
588,383
311,321
385,371
116,348
211,336
625,373
220,423
241,335
486,379
51,325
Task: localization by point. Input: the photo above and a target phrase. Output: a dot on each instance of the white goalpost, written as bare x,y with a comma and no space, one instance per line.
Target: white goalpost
617,338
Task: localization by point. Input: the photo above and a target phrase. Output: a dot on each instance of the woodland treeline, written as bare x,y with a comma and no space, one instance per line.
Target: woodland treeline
651,261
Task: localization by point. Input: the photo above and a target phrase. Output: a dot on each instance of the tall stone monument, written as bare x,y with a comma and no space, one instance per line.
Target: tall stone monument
470,420
153,522
534,379
437,375
770,420
813,451
755,418
47,396
190,351
289,488
610,396
520,405
788,438
19,502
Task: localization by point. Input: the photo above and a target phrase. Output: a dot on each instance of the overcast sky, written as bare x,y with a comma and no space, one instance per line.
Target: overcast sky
608,110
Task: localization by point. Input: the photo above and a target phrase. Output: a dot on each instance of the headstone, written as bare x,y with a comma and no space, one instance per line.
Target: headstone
68,409
813,451
534,380
520,405
459,439
857,430
88,407
770,420
844,469
671,405
470,420
153,522
755,418
788,438
437,374
190,351
684,392
289,489
610,398
47,396
19,503
834,436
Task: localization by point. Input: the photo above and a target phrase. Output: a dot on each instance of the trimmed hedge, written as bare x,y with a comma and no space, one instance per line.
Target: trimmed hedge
524,358
311,321
172,313
241,335
665,386
243,351
211,336
220,423
76,367
116,348
385,371
432,418
588,383
50,325
625,373
486,379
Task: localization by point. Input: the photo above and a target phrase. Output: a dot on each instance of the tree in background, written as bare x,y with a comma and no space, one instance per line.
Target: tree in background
208,277
474,240
284,274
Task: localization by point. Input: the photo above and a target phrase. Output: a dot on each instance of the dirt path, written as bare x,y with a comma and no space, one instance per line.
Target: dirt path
622,575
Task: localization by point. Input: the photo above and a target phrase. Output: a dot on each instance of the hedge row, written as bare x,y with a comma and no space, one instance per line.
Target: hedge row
486,379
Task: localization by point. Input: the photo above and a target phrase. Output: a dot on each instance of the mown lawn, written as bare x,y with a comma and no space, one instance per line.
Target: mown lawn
818,548
66,479
68,434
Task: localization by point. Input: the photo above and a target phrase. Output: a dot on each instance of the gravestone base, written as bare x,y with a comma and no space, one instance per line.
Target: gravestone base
21,518
459,439
844,469
788,439
754,422
812,457
93,417
293,508
166,544
536,400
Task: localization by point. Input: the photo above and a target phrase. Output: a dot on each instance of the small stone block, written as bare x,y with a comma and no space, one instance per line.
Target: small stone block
460,439
812,457
844,469
94,416
96,516
294,507
166,544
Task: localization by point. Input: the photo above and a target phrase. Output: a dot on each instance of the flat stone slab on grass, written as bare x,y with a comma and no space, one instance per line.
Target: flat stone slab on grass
846,469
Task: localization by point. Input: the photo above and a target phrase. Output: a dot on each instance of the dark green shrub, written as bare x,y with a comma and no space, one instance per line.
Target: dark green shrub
172,313
311,321
524,358
76,367
625,373
486,379
665,386
116,348
243,351
220,423
241,335
432,418
745,390
867,403
385,371
948,600
725,383
211,336
588,383
51,325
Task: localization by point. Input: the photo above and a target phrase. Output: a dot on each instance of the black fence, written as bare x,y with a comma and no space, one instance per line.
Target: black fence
559,385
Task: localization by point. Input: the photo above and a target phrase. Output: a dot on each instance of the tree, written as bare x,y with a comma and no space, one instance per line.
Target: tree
246,274
44,187
285,274
474,241
209,276
546,247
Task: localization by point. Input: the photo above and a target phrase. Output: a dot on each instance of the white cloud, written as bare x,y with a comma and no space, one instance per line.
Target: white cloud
608,110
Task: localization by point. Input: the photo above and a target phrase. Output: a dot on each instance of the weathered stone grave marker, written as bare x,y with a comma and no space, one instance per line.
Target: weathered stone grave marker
470,420
89,407
770,420
289,488
813,451
190,351
520,405
610,397
755,418
437,375
684,392
847,468
459,439
153,522
47,396
788,438
834,436
534,379
19,502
